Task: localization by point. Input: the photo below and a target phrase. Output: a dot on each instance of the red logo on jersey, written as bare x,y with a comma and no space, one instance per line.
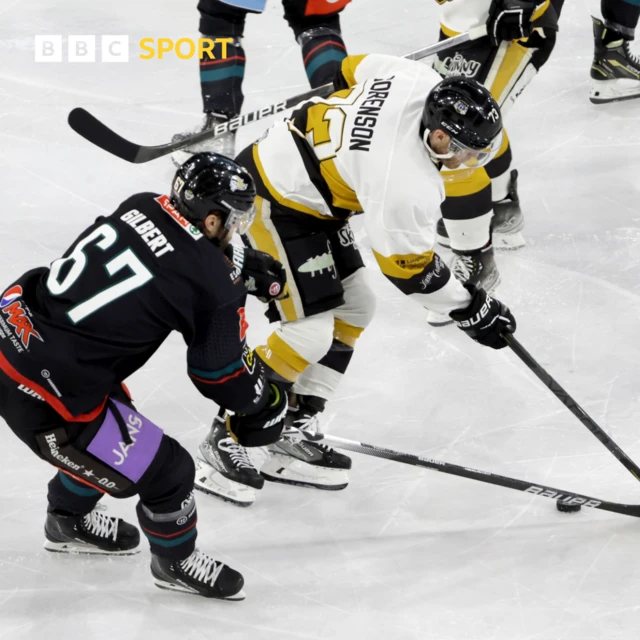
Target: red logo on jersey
165,203
17,318
244,325
324,7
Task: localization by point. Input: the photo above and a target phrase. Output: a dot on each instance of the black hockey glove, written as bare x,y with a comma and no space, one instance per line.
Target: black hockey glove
485,319
510,19
264,277
261,428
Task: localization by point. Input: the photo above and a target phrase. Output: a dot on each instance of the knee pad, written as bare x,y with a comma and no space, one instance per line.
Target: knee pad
221,20
359,301
172,480
298,16
309,337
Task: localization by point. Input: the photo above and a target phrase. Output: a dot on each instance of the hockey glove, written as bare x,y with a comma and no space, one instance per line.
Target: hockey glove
485,319
510,19
264,277
264,427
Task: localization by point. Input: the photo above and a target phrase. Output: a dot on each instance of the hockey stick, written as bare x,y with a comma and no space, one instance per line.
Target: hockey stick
93,130
572,405
568,497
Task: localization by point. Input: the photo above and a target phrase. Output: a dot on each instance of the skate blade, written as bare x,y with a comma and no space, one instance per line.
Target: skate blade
508,241
170,586
78,548
288,470
213,483
604,91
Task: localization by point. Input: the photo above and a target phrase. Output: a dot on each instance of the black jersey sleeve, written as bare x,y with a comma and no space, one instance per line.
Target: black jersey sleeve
220,363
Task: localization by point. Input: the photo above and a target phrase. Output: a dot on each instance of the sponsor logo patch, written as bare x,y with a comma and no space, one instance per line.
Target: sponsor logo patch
17,316
166,205
274,289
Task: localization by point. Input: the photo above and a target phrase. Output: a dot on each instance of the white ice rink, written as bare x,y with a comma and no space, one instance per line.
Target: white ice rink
402,553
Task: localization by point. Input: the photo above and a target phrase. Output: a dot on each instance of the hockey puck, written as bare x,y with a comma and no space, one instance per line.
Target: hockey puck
562,504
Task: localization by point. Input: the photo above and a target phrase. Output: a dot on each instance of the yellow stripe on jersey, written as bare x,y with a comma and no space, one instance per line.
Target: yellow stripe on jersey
264,241
403,266
465,183
345,332
348,68
448,32
278,197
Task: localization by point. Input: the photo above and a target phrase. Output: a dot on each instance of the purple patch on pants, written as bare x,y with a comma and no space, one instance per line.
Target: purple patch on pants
129,460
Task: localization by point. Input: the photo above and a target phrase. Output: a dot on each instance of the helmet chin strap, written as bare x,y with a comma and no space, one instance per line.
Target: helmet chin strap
436,157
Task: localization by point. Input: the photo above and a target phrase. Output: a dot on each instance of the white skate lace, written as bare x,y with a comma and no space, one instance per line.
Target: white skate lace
635,60
308,422
238,454
101,525
463,268
202,567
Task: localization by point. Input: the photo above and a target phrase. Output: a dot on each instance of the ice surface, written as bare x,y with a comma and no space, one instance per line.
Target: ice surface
402,553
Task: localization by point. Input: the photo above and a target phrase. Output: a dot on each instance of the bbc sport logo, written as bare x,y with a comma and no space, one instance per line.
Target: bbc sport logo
84,48
81,48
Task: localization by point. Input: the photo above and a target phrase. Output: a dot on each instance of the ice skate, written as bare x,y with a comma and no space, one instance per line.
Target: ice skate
615,71
198,574
224,469
508,222
225,145
94,533
305,463
474,267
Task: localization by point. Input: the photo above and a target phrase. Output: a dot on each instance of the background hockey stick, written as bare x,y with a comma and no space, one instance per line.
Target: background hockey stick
93,130
568,497
572,405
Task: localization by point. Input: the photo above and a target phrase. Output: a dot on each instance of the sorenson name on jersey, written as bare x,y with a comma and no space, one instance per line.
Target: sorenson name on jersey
367,115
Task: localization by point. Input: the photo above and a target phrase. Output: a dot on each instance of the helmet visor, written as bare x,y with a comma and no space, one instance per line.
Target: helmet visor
472,158
239,220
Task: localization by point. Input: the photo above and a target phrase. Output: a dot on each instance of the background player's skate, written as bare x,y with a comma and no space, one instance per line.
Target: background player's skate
224,468
508,222
615,71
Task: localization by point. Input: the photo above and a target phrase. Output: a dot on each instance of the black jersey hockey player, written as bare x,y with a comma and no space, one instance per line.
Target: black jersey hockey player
72,333
374,147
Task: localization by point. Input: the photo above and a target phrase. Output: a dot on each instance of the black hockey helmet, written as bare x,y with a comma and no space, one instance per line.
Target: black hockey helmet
466,111
211,183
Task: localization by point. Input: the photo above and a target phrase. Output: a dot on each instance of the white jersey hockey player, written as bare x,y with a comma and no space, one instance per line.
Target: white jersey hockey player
374,147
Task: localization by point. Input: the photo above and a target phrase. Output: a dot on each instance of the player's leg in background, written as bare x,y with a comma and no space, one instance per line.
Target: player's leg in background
615,71
121,453
316,27
221,77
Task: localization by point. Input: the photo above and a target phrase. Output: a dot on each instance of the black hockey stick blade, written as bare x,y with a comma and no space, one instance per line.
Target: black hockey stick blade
544,491
91,129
